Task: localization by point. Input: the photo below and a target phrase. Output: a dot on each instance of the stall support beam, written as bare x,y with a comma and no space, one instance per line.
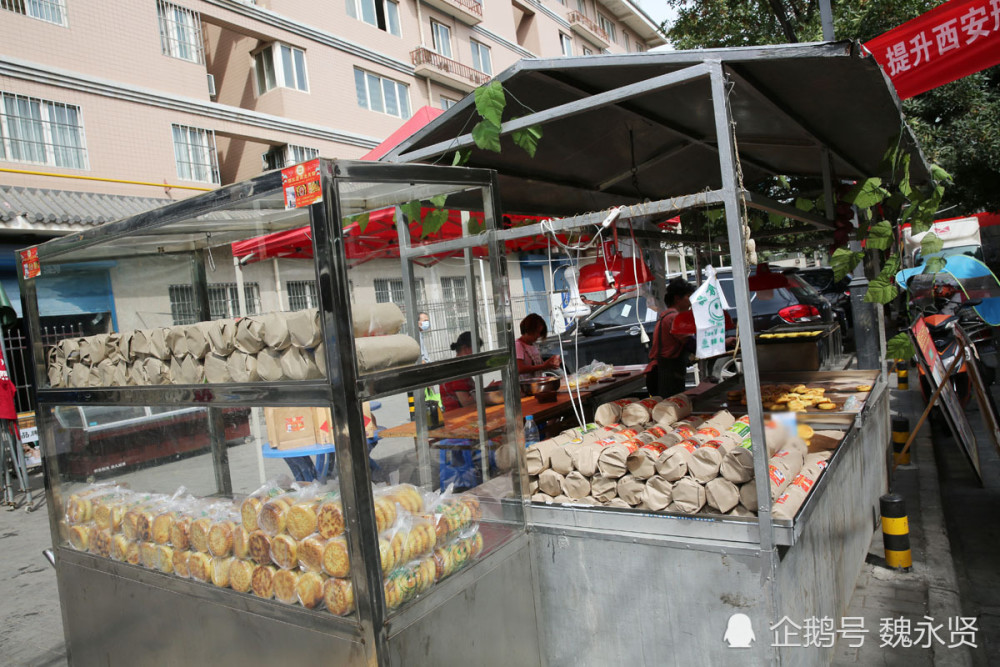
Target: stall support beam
348,426
419,404
729,165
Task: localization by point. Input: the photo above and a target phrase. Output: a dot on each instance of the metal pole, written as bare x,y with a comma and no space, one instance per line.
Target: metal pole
728,160
826,17
419,404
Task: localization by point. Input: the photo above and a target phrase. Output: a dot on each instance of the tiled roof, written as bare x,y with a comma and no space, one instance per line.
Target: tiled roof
66,210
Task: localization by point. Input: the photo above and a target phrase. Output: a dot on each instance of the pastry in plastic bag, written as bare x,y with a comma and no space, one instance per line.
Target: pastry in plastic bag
338,594
284,583
262,581
241,575
309,589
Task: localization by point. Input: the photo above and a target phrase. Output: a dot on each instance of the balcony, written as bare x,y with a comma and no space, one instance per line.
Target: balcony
446,71
587,29
469,12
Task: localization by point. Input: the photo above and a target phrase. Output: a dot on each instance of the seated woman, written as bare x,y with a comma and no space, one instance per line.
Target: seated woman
529,359
460,459
458,393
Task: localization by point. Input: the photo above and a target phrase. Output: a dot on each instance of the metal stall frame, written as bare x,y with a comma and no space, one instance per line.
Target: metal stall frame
768,560
244,629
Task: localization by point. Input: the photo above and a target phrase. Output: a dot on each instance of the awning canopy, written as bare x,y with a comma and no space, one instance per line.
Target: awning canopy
652,134
379,239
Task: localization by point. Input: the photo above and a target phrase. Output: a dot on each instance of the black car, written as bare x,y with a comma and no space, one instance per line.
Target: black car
797,303
835,291
610,334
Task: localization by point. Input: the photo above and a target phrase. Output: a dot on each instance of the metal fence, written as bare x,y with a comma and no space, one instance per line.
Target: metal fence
18,349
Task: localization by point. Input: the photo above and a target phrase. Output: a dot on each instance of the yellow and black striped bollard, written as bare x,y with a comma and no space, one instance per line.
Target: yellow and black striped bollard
413,409
902,375
895,532
900,434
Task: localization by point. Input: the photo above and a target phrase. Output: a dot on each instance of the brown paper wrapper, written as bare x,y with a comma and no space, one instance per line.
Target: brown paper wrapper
617,502
603,488
737,465
642,463
575,485
538,455
748,495
613,461
704,464
721,494
630,489
688,496
561,459
585,458
658,493
550,482
671,409
673,463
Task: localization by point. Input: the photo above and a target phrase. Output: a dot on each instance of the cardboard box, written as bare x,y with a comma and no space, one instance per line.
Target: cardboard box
292,428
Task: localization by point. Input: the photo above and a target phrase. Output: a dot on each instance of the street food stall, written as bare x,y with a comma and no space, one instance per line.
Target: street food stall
650,137
188,558
395,570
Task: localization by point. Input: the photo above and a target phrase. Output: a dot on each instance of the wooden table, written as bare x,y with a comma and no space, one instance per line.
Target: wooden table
464,422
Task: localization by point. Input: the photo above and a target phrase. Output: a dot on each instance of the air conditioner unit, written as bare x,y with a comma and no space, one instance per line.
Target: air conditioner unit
211,85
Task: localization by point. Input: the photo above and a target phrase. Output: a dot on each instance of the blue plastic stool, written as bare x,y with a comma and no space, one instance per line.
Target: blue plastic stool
460,466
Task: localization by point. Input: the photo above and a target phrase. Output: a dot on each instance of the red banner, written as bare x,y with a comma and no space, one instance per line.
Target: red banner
953,40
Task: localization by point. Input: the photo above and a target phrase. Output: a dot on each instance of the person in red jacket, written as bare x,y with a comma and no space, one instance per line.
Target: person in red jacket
669,355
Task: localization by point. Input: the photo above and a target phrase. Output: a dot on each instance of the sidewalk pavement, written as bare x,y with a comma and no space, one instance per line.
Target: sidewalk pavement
930,590
32,634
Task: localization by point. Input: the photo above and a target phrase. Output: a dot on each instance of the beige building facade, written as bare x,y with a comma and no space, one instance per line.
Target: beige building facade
109,107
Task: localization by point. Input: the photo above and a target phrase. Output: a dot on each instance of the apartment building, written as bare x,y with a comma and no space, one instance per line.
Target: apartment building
108,108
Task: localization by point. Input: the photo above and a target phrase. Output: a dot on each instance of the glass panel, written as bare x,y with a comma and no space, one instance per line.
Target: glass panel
375,93
389,88
352,8
300,68
360,88
368,11
392,16
135,316
287,66
454,294
143,487
404,100
466,498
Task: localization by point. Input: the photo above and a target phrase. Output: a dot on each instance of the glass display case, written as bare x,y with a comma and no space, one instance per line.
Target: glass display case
222,441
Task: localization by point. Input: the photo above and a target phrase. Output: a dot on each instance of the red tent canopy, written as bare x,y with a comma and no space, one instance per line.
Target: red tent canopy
379,239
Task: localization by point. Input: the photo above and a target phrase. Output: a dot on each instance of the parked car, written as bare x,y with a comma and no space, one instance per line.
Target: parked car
834,291
612,333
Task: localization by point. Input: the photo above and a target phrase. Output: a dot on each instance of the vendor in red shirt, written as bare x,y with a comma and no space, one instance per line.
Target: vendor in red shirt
669,355
459,393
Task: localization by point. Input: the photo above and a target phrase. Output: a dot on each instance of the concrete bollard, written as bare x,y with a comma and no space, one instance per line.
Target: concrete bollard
900,434
895,532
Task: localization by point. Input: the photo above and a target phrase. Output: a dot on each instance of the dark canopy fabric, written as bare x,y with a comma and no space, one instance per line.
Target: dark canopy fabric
789,103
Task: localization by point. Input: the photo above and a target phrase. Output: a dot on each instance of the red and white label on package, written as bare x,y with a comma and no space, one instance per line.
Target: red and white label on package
803,483
29,262
295,424
777,477
655,446
689,445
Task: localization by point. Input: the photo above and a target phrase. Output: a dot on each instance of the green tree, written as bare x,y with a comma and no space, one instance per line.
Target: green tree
956,123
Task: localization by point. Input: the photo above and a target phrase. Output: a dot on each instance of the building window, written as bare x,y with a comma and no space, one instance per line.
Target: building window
41,132
383,14
180,32
194,152
223,301
381,94
280,157
390,290
280,65
456,295
481,57
442,38
587,51
625,41
50,11
607,26
581,7
566,43
302,294
446,103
